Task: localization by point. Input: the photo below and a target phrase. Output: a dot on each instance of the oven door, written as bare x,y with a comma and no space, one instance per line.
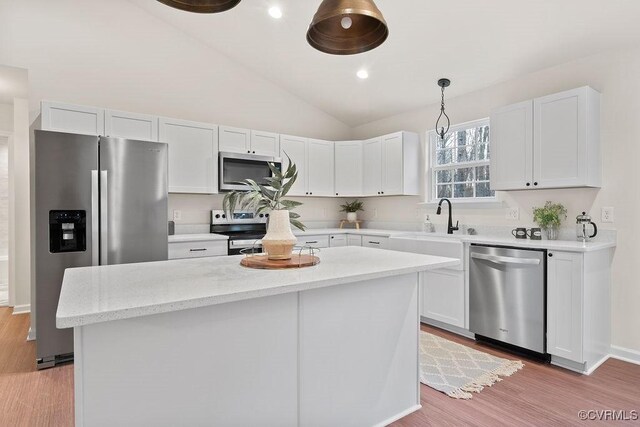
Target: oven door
235,167
237,245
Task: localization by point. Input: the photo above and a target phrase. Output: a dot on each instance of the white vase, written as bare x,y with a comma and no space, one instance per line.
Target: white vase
352,216
279,241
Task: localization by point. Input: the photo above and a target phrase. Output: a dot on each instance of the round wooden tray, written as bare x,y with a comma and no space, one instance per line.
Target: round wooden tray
263,262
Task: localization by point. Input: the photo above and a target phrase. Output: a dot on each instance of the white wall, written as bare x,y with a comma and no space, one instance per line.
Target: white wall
615,75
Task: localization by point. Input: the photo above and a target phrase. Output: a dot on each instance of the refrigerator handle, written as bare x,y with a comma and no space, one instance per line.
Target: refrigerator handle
95,218
104,259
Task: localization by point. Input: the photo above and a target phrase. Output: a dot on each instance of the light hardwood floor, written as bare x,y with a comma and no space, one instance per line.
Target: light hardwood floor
539,395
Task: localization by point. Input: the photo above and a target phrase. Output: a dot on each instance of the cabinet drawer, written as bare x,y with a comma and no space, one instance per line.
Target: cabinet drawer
337,240
179,250
353,240
375,242
314,241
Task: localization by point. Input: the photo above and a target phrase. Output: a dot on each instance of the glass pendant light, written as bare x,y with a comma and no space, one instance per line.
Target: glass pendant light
442,132
202,6
347,27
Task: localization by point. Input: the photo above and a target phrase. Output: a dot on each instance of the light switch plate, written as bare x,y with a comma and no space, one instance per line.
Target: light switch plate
177,215
513,214
607,214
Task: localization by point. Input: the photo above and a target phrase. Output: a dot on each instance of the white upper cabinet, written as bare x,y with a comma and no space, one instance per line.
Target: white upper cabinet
234,140
512,146
237,140
550,142
296,148
392,165
193,155
314,160
567,139
70,118
348,168
121,124
372,166
265,143
320,159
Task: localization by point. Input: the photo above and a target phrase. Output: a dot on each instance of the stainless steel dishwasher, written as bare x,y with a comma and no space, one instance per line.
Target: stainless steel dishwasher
507,295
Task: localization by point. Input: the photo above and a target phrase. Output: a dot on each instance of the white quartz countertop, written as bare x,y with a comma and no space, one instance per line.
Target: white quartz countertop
362,231
558,245
107,293
200,237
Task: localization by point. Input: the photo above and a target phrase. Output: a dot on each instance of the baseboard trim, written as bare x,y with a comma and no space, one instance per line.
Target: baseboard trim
22,309
596,365
625,354
449,328
31,336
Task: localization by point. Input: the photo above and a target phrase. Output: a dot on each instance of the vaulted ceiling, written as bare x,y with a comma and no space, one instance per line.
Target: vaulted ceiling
474,43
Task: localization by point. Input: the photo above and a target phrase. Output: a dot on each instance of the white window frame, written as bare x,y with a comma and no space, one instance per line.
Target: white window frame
432,136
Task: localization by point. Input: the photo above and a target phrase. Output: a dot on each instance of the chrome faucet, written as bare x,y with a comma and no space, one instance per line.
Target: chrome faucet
450,227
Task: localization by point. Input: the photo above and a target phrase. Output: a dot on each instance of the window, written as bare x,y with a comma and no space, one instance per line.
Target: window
460,162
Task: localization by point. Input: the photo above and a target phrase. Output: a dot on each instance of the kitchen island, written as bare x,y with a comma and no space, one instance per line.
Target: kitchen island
208,342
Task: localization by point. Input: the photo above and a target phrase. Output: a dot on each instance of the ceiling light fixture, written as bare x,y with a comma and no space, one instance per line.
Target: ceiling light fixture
363,74
347,27
443,83
202,6
275,12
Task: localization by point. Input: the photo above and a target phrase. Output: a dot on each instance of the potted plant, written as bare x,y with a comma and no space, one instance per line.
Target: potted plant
279,241
352,208
549,217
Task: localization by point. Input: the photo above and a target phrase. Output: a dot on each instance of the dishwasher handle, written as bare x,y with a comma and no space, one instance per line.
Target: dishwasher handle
505,259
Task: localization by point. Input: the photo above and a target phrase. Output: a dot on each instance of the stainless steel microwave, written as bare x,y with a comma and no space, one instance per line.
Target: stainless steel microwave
236,167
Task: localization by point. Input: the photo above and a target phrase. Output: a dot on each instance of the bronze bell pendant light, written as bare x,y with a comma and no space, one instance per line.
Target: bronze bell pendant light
347,27
442,132
202,6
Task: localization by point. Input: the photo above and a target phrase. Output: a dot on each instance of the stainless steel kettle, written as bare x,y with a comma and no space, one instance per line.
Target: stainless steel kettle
582,223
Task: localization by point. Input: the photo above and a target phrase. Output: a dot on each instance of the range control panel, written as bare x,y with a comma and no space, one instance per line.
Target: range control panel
238,217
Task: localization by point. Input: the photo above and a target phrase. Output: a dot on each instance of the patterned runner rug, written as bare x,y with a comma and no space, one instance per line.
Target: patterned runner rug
458,370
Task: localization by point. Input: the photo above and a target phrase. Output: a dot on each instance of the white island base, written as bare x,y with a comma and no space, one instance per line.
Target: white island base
339,355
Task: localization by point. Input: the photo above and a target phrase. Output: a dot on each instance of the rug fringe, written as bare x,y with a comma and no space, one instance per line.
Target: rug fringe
490,378
459,394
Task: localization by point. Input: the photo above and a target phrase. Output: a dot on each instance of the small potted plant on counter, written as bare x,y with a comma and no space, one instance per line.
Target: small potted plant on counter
279,241
352,208
549,217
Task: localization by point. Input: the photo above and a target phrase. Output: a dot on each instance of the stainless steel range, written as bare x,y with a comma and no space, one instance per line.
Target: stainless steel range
245,229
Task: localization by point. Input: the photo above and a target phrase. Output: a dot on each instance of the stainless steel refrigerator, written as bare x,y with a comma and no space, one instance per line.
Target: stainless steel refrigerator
98,201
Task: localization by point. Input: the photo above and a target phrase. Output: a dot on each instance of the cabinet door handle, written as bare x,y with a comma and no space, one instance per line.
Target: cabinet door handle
309,243
374,243
197,250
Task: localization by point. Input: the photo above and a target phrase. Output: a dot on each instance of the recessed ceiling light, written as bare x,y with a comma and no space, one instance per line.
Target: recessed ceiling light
275,12
363,74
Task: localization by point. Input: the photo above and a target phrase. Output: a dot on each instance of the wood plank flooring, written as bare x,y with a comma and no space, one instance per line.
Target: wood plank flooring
538,395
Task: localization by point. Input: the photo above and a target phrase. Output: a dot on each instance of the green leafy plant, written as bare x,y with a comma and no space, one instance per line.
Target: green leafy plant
354,206
550,215
265,198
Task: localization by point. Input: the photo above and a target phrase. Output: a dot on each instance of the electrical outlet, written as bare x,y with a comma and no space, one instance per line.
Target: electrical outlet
177,215
607,215
513,213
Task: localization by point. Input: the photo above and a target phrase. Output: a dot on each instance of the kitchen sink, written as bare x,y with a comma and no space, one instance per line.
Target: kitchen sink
438,244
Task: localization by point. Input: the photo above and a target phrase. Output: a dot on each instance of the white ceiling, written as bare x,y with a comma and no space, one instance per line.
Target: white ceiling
474,43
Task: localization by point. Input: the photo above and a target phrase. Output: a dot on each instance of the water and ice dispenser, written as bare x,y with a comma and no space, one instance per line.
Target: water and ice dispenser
67,231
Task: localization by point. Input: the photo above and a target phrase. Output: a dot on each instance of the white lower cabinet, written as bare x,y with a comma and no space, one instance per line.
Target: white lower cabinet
578,308
443,296
337,240
354,240
180,250
318,241
375,242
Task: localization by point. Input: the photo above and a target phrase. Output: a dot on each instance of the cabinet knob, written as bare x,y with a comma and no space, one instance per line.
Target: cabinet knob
550,254
306,192
336,194
528,184
382,192
535,183
254,152
378,192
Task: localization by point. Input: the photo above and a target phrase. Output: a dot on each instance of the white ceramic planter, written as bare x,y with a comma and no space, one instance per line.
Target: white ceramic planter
279,241
352,216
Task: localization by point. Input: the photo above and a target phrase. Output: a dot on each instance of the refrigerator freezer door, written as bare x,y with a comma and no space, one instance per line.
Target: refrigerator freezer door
133,187
64,167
